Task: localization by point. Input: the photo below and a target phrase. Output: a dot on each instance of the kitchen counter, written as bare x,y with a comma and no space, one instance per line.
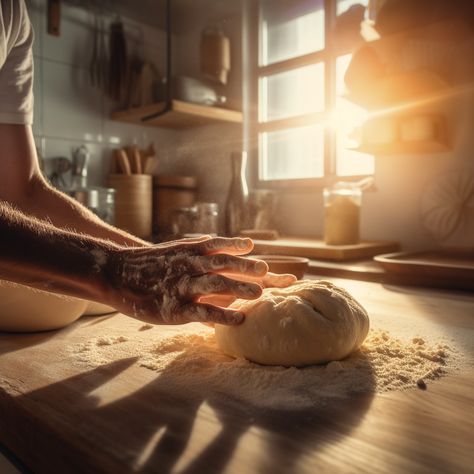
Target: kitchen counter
57,414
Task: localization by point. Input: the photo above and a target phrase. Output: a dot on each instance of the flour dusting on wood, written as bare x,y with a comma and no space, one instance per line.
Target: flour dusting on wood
192,363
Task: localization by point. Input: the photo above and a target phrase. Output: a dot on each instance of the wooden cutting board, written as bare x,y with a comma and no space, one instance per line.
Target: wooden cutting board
442,268
119,417
316,248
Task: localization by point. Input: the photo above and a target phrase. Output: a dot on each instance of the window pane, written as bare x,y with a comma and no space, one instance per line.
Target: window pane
290,28
292,153
296,92
346,117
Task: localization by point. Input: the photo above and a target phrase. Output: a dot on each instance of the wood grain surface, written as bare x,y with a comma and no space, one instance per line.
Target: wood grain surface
181,115
317,248
120,417
444,268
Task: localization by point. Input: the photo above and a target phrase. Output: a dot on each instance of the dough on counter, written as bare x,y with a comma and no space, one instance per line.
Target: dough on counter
310,322
25,309
98,309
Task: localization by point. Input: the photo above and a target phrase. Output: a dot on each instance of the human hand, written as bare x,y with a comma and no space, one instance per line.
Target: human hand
269,280
164,283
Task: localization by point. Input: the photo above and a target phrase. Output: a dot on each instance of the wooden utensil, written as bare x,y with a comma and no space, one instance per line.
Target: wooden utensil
123,162
150,161
136,161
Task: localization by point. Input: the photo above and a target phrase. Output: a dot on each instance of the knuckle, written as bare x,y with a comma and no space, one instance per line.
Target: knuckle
211,283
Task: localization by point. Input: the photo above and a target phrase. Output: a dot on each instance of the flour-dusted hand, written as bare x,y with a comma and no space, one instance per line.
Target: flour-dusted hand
269,280
163,283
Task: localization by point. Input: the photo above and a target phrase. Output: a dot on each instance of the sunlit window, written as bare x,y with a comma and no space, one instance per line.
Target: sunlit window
290,28
292,151
304,119
307,93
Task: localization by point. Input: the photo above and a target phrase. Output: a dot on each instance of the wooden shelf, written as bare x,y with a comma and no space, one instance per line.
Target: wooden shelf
401,148
403,91
404,134
181,115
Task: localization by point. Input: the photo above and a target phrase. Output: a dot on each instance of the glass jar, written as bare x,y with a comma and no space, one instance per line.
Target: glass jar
106,210
207,221
202,218
342,214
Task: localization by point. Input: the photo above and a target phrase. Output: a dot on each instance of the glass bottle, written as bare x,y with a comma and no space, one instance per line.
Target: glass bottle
237,197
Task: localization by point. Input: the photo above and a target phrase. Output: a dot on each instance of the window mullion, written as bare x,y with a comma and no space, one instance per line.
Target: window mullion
293,122
292,63
330,89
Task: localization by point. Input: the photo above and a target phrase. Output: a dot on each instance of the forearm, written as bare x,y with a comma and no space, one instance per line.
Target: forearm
22,185
47,203
38,254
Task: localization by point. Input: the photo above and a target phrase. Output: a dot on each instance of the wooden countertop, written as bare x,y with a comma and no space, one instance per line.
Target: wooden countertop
365,270
59,416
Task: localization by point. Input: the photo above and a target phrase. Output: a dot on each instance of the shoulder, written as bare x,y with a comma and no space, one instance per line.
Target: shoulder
15,25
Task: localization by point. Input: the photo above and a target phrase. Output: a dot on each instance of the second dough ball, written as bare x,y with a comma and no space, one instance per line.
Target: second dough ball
310,322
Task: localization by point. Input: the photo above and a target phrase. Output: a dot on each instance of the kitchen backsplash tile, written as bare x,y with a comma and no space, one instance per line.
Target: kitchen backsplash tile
74,45
57,147
71,105
36,14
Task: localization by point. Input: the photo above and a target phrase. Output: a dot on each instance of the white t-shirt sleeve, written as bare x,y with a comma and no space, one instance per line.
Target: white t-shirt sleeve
16,63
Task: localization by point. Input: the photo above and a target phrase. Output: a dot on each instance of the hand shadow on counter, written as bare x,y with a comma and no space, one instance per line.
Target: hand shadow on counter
11,341
150,429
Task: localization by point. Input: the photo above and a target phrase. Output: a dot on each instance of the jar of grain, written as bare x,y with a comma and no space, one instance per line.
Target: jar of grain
342,214
171,192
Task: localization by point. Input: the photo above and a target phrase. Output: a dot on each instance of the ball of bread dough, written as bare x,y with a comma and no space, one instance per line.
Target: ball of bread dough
310,322
98,309
25,309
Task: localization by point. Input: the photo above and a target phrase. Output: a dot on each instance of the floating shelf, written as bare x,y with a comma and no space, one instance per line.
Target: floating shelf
401,148
402,92
393,134
181,115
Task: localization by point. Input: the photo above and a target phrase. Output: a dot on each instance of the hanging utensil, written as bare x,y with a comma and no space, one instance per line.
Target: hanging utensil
103,59
118,60
94,57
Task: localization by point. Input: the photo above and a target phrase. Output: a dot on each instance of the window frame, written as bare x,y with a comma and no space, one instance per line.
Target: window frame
252,126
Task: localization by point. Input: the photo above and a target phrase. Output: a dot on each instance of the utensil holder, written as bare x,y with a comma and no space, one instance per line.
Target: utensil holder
133,203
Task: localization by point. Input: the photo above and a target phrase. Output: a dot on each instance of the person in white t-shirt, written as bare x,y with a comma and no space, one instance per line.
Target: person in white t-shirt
50,242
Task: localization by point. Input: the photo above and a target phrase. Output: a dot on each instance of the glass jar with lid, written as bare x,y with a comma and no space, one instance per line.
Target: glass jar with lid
342,204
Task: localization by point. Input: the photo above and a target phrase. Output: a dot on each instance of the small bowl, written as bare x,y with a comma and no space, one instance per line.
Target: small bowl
285,264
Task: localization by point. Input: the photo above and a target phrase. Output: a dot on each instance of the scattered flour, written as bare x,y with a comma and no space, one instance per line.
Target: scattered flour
191,363
145,327
108,341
